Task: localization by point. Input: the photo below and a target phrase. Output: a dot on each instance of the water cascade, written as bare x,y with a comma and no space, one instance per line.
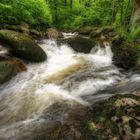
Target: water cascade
66,78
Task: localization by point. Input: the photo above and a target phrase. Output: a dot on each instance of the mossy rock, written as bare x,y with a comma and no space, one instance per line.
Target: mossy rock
7,71
34,32
53,33
23,46
115,118
108,30
81,44
125,52
86,30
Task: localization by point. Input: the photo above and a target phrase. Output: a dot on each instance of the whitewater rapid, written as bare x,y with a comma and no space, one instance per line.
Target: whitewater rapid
66,78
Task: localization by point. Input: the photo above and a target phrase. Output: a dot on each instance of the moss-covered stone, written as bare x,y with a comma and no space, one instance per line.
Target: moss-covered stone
22,46
125,52
102,122
53,33
86,30
7,71
80,44
108,30
34,32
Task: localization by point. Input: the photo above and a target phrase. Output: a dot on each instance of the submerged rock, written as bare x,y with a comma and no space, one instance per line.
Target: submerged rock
81,44
23,46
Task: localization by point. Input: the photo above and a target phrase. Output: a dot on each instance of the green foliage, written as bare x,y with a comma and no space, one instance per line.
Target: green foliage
93,13
123,14
135,34
67,14
34,12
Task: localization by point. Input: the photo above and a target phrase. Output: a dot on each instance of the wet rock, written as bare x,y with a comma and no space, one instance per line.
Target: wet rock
106,120
34,32
53,33
7,71
81,44
118,40
20,65
125,53
102,31
23,46
86,30
22,27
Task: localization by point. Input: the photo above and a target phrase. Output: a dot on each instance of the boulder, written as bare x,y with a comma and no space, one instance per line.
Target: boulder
109,30
81,44
53,33
7,71
86,30
114,119
23,27
125,53
23,46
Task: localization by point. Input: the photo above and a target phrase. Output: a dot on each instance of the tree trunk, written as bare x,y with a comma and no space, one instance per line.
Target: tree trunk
65,1
71,2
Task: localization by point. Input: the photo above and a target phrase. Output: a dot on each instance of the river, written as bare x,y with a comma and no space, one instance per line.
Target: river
65,79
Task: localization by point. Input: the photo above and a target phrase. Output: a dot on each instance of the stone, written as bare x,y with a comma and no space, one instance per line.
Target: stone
23,46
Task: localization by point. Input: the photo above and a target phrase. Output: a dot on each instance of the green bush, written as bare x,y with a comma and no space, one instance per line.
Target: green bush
34,12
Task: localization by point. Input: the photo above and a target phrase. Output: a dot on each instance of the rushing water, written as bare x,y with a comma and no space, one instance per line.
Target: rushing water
66,78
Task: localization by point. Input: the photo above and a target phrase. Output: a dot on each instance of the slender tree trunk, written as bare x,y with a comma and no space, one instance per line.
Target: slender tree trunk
65,1
71,3
113,10
55,10
121,13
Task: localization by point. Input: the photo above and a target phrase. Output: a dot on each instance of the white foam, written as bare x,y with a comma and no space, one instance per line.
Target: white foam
28,93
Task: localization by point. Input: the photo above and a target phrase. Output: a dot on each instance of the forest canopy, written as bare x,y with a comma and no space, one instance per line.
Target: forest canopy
67,13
